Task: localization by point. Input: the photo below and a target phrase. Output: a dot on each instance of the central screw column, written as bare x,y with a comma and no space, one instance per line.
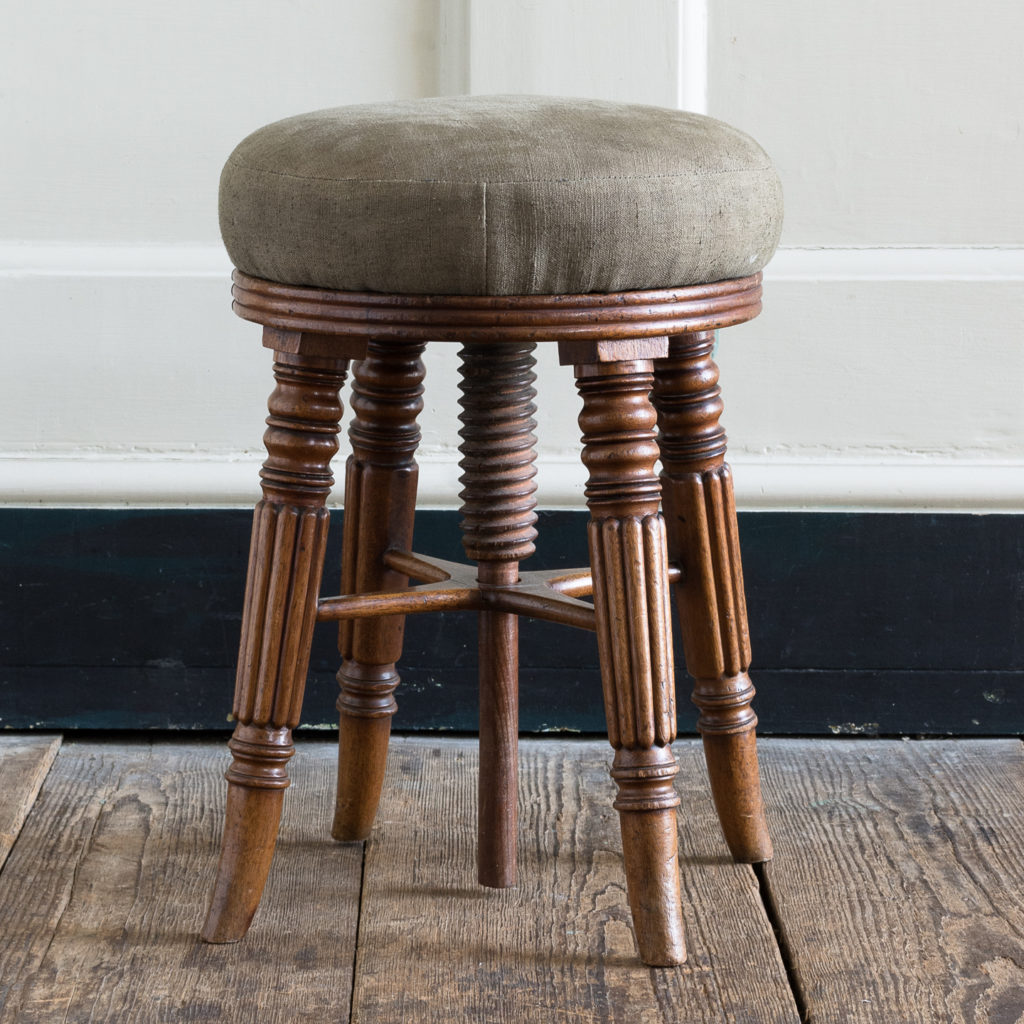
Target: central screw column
498,532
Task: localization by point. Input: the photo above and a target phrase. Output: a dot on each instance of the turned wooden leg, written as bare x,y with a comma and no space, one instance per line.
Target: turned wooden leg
380,505
285,562
630,570
697,497
497,533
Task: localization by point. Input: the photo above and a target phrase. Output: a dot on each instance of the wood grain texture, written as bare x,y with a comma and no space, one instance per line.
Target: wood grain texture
494,318
498,784
102,896
898,877
633,630
435,947
497,449
897,884
285,562
289,536
24,762
626,537
703,539
286,555
380,505
498,488
576,353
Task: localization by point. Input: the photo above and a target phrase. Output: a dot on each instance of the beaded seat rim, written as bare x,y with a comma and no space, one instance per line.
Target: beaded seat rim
461,318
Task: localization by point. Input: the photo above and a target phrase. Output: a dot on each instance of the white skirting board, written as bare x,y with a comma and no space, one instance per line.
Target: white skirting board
179,479
880,378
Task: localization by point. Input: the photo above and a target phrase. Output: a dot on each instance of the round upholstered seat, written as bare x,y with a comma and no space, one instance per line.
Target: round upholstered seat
499,195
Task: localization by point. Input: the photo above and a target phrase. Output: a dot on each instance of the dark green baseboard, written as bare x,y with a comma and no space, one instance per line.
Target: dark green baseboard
862,624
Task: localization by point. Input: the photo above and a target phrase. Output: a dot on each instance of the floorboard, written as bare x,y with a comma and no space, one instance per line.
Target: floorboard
105,890
898,878
434,946
24,762
897,892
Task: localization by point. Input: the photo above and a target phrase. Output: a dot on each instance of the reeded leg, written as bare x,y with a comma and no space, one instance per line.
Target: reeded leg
285,561
701,513
630,569
498,532
380,505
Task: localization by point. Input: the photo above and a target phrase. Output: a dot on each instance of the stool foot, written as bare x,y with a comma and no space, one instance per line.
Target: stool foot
257,780
247,849
652,880
697,496
647,815
366,705
736,789
630,570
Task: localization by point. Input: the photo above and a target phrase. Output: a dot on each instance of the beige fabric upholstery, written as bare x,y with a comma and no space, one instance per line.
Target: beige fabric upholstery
499,195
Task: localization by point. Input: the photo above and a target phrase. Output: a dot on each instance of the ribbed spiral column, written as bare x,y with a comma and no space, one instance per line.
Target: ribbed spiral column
498,531
497,451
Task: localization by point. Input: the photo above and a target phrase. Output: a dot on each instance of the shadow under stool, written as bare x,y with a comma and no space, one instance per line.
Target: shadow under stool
626,235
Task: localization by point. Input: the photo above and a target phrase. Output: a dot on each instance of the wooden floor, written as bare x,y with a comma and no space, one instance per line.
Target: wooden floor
896,895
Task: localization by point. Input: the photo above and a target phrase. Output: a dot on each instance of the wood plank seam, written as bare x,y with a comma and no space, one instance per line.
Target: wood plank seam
432,948
16,806
110,787
356,943
774,914
913,848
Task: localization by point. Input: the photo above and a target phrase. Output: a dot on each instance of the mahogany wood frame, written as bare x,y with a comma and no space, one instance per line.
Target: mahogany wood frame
643,368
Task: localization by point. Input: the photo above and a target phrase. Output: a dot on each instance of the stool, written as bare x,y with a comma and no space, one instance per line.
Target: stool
624,234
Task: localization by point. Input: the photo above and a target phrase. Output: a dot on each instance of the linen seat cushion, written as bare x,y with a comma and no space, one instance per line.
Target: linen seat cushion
499,195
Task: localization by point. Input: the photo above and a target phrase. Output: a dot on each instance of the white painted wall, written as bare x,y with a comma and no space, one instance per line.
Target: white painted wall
888,367
891,350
